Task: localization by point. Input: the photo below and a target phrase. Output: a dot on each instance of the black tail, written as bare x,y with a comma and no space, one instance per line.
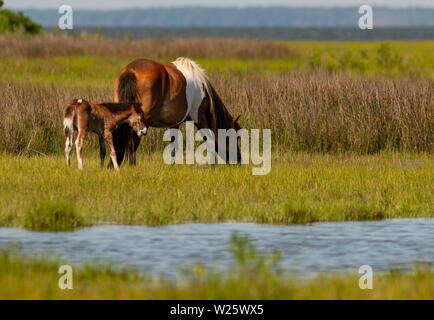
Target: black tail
127,87
124,138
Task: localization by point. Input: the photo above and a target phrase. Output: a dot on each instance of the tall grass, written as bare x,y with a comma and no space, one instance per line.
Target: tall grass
317,112
319,108
333,113
31,120
50,45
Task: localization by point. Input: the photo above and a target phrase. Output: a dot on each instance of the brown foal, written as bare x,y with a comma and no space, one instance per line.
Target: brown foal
102,119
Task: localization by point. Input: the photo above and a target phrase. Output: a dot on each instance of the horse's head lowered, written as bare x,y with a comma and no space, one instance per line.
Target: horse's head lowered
236,125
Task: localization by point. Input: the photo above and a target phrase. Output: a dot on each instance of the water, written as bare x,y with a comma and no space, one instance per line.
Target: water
307,249
271,33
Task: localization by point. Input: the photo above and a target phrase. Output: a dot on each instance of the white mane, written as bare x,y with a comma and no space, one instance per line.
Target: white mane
198,85
195,71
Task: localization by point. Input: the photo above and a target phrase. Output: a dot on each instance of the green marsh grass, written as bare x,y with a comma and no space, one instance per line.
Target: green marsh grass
233,54
338,133
53,215
318,112
252,276
301,188
352,140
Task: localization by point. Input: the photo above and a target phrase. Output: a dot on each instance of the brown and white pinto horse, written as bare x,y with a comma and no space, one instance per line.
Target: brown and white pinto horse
170,94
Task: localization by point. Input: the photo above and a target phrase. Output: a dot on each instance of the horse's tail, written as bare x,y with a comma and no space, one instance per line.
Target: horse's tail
68,120
127,87
123,138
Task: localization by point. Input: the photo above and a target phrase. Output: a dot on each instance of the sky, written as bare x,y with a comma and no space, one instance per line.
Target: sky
116,4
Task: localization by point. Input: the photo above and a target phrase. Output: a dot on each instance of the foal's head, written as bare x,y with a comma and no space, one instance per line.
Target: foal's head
137,120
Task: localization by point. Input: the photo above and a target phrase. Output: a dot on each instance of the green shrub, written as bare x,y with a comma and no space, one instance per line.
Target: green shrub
387,58
250,261
315,60
299,212
345,60
12,22
57,215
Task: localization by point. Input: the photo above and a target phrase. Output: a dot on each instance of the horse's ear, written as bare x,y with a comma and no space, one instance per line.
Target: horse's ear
235,119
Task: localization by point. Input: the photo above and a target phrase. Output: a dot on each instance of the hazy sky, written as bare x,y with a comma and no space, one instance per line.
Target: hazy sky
116,4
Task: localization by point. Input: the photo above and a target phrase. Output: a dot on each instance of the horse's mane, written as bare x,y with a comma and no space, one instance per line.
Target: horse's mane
217,107
221,115
121,106
194,69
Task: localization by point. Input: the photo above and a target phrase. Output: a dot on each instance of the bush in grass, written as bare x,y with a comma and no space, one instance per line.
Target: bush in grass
11,22
57,215
315,60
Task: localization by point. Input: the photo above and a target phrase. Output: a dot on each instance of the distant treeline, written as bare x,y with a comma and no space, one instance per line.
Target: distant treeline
250,16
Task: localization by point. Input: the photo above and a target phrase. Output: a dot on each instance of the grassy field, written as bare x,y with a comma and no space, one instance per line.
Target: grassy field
348,144
352,139
252,276
51,58
393,58
300,188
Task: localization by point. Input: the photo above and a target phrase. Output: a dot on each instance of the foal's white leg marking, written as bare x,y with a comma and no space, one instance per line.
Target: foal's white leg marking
68,123
79,147
109,140
79,159
68,149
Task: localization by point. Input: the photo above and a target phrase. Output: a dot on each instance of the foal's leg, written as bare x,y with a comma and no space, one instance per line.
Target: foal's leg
102,151
79,146
68,147
109,140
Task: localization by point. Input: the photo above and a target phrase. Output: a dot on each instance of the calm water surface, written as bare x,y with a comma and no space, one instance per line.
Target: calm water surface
307,249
